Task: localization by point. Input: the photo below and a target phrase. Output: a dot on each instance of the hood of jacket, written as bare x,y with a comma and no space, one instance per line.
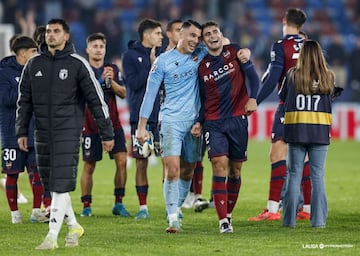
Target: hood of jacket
10,62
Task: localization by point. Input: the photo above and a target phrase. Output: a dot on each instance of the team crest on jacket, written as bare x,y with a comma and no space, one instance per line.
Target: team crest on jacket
63,74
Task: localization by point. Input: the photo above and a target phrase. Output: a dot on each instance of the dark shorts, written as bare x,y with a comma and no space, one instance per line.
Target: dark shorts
277,130
154,128
92,147
227,138
14,160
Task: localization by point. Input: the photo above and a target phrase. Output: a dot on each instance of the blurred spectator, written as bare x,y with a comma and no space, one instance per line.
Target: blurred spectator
354,68
337,57
78,30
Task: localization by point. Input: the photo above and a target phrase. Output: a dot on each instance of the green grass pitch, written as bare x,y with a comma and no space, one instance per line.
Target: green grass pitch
106,234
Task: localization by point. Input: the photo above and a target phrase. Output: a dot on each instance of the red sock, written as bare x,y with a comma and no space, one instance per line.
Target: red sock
86,200
37,189
278,176
198,178
220,196
12,191
46,198
306,183
233,189
142,192
119,193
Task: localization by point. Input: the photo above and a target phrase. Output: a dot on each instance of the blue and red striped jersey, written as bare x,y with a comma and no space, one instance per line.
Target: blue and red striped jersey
284,55
222,84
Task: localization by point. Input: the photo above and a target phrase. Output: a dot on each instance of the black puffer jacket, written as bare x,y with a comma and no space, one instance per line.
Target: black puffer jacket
56,88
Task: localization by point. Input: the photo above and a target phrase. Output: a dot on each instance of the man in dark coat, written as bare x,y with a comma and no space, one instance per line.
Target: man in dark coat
55,85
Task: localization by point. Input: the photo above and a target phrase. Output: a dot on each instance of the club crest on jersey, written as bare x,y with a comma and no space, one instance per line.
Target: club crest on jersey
140,59
17,79
63,74
207,64
226,54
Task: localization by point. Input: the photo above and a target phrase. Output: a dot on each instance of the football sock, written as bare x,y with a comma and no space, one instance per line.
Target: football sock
171,195
37,189
59,205
142,192
86,200
184,187
11,191
306,183
233,189
278,177
220,196
143,207
46,198
198,178
70,218
273,206
119,193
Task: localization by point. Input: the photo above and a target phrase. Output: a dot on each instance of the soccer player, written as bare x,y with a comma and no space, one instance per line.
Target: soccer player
137,62
307,95
284,54
107,75
21,198
225,105
55,85
194,195
14,160
180,132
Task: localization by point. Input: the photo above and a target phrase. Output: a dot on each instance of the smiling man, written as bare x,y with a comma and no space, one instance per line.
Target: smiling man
225,105
180,132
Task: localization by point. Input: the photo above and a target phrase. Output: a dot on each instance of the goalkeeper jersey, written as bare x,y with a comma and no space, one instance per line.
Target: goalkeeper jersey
178,72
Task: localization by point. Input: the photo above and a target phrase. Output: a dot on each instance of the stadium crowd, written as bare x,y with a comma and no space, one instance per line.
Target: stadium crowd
252,24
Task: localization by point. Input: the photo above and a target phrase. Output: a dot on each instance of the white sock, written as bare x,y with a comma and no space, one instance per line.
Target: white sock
273,206
306,208
70,218
15,213
59,204
225,220
35,210
143,207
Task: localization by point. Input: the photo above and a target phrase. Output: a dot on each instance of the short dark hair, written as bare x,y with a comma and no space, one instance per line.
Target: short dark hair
209,24
96,36
171,23
61,22
188,24
295,17
23,42
145,25
39,34
11,41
